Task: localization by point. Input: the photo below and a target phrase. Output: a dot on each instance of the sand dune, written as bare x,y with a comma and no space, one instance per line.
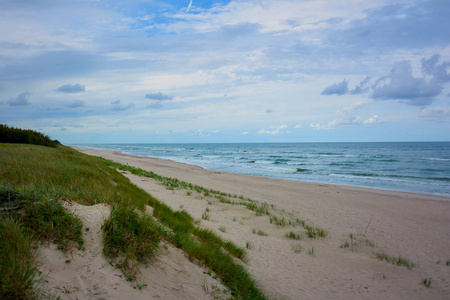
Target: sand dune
413,226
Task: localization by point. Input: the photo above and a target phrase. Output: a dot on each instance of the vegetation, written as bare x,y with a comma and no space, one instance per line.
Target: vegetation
426,282
293,235
22,136
259,232
395,260
48,221
62,173
17,263
129,238
297,248
356,242
25,220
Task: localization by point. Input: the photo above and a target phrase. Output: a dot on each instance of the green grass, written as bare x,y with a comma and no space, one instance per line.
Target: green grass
49,221
426,282
30,220
293,235
64,174
311,231
259,232
129,238
356,242
17,261
297,248
395,260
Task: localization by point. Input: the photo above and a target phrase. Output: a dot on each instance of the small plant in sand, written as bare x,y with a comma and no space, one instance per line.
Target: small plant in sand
259,232
205,216
293,235
297,248
311,232
426,282
395,260
188,193
248,245
279,222
356,242
222,228
311,251
448,262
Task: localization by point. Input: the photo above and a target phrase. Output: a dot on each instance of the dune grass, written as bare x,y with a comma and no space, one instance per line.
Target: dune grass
48,221
17,261
64,174
129,239
395,260
23,222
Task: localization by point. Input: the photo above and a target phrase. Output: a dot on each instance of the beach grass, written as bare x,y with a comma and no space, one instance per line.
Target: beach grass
62,173
395,260
293,235
426,282
17,261
259,232
129,238
48,221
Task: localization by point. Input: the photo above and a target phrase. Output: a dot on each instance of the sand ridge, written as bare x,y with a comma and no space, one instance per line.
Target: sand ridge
411,225
88,275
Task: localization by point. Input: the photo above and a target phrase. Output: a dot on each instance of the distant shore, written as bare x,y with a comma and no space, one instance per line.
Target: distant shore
413,226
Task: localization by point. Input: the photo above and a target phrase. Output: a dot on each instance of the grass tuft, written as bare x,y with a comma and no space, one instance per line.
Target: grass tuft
259,232
395,260
426,282
49,221
17,261
293,235
129,238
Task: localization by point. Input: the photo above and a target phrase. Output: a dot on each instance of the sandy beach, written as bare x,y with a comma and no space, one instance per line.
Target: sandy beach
359,222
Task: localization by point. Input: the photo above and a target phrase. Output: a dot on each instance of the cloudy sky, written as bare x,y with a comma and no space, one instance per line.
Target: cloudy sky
226,71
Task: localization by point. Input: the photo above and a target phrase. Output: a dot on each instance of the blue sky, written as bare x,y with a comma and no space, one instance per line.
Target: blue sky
86,71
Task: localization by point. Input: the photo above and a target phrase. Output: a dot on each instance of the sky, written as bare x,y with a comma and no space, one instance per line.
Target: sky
151,71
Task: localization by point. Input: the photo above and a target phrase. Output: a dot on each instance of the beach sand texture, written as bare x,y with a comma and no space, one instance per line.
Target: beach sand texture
416,227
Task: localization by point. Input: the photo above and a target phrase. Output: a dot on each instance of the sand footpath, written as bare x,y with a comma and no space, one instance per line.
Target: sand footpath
413,226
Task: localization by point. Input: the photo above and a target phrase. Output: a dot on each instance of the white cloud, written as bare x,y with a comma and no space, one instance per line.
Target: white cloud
276,130
372,120
437,113
274,16
298,126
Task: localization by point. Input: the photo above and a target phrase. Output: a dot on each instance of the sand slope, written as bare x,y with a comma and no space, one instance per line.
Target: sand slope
88,275
413,226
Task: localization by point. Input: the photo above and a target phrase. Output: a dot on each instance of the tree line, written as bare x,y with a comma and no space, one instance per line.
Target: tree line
25,136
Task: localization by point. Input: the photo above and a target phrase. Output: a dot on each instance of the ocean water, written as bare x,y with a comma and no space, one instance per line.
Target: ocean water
418,167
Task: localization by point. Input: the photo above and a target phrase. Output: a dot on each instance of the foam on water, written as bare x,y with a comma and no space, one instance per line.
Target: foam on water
410,167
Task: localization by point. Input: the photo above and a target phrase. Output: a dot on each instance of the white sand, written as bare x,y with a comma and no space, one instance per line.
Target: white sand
89,275
414,226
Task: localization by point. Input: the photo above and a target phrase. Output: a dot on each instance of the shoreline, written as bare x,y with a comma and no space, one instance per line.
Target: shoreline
412,226
368,189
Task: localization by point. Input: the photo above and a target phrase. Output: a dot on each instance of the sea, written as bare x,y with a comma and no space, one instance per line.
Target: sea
417,167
